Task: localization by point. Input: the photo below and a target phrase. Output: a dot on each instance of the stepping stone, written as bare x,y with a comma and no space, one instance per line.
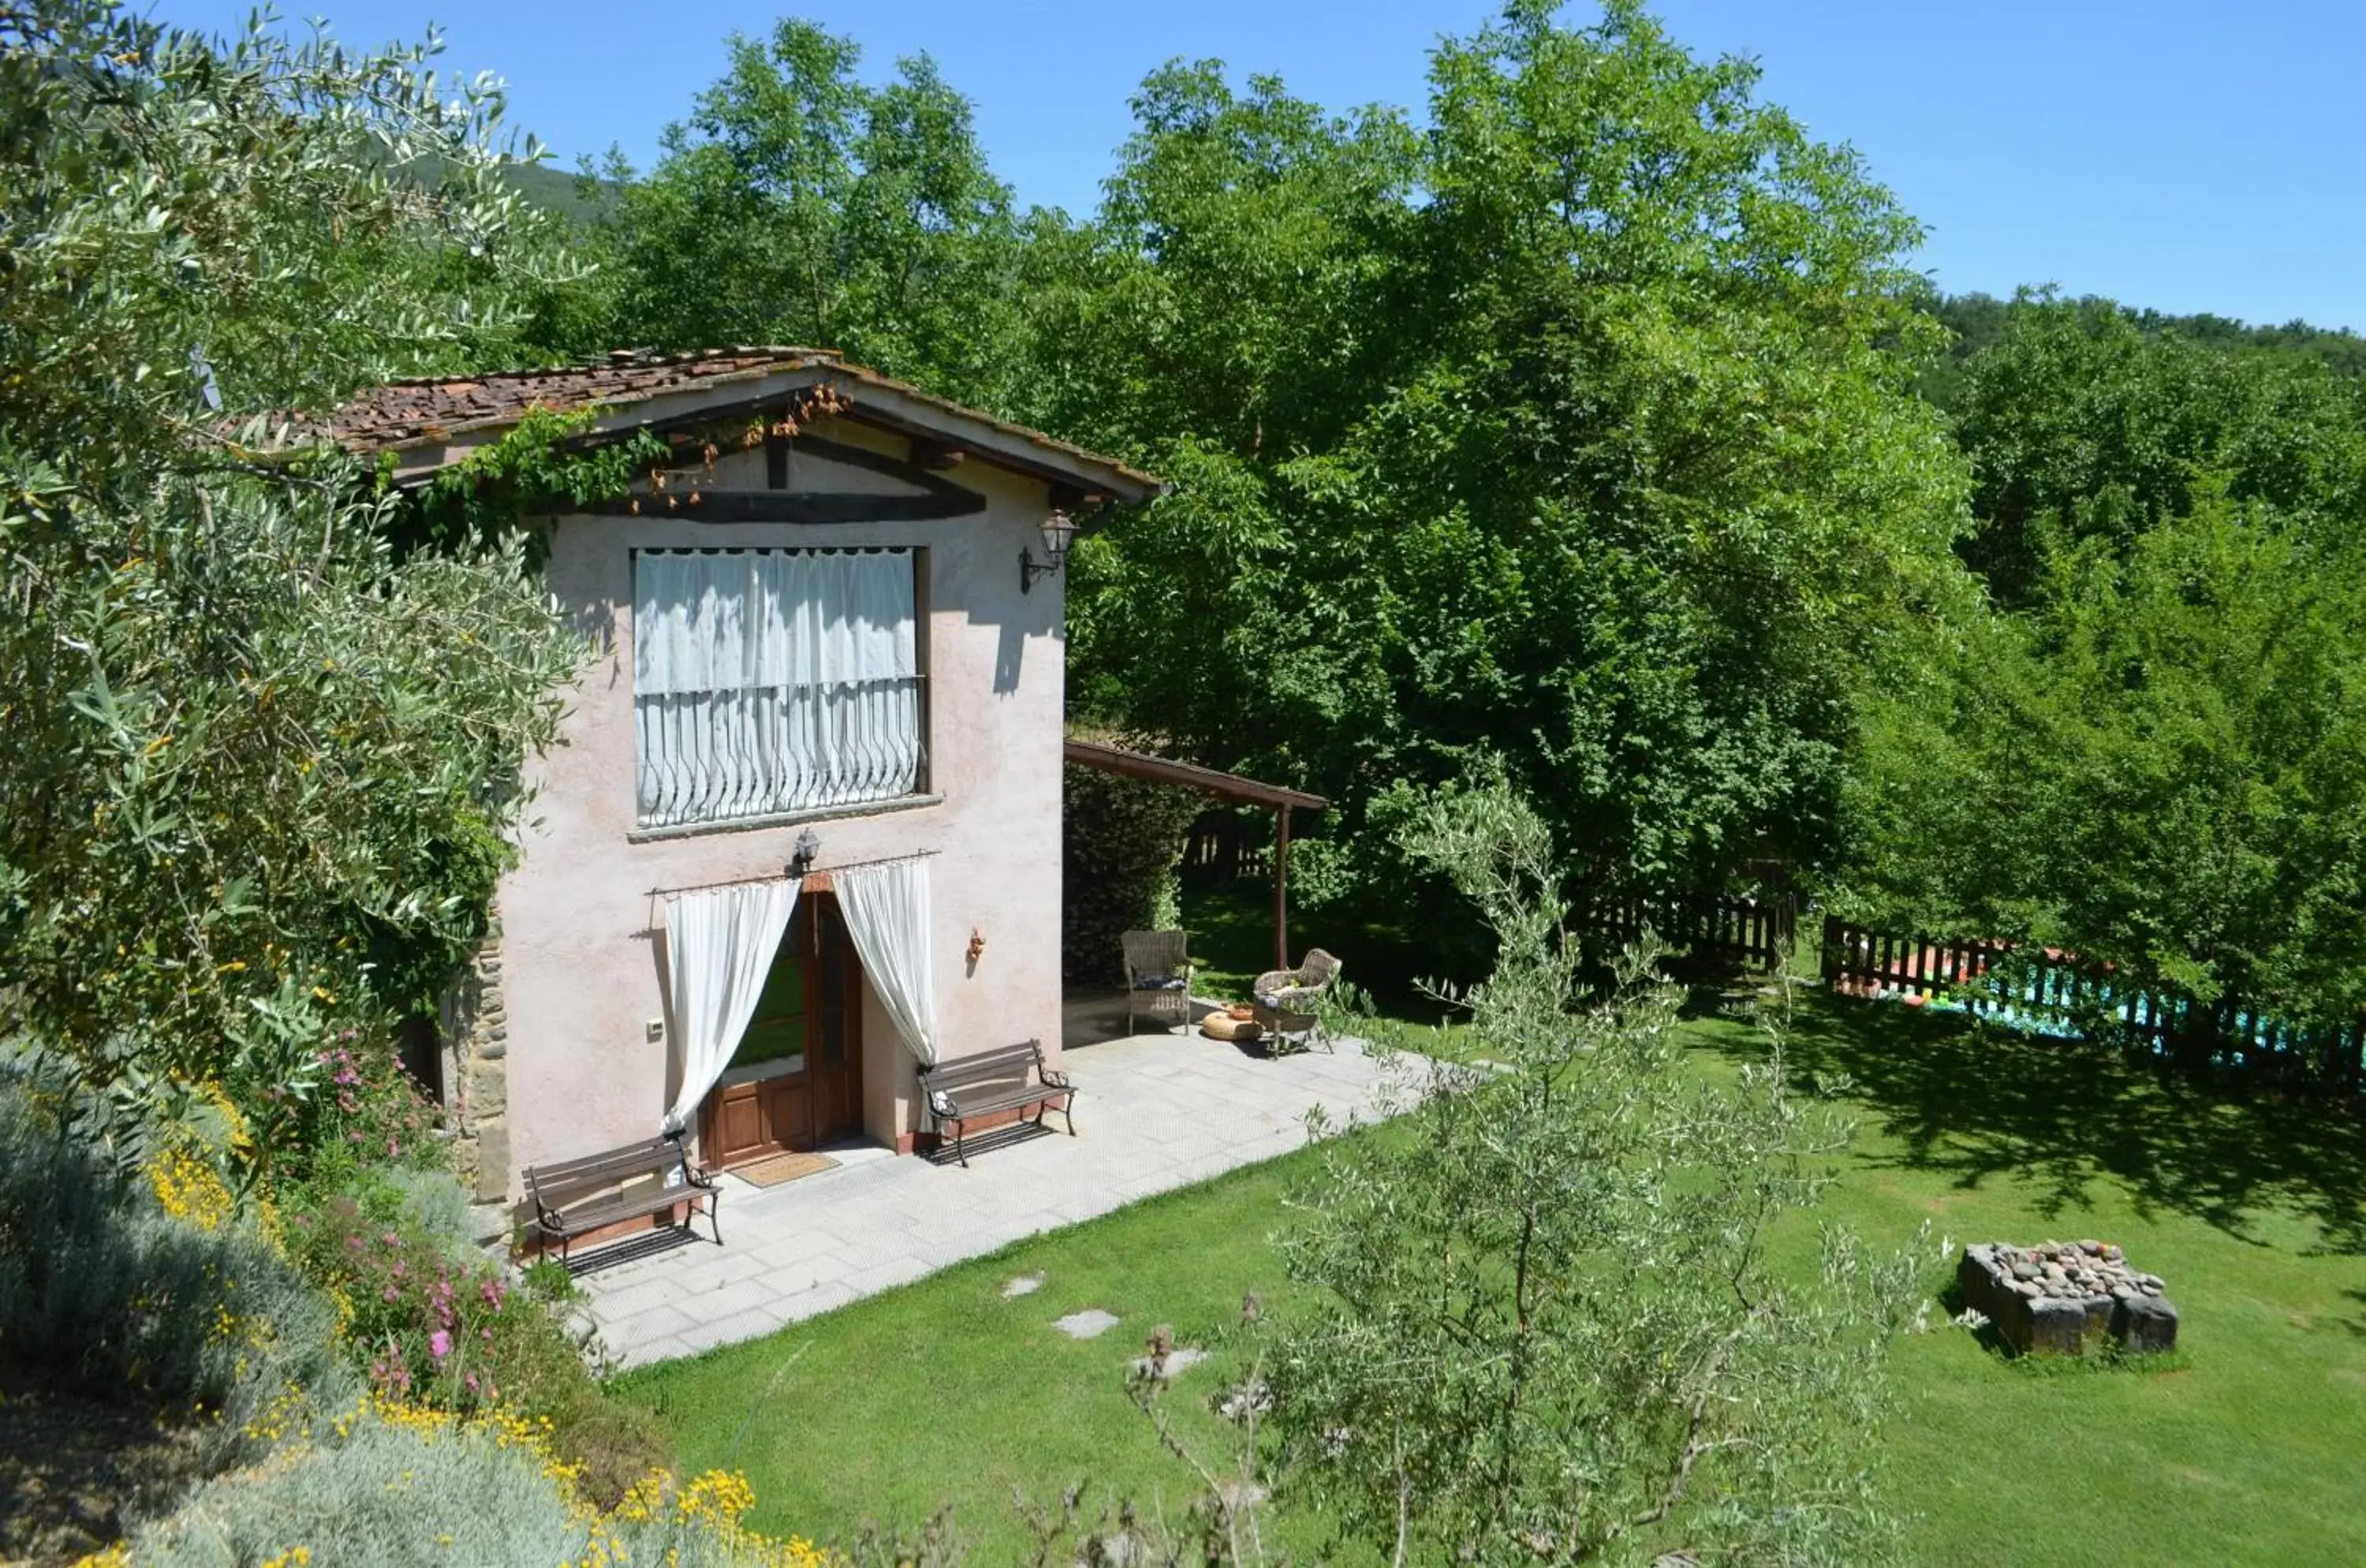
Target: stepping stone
1025,1285
1181,1358
1089,1323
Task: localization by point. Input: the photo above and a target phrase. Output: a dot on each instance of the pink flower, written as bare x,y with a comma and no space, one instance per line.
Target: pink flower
439,1344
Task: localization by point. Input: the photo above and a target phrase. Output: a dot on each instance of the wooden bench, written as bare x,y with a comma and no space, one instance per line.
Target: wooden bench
989,1083
559,1190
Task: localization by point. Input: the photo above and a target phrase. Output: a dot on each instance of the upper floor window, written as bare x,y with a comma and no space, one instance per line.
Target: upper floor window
774,681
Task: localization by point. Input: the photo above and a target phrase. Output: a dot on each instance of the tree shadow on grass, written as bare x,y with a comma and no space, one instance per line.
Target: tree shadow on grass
1972,1101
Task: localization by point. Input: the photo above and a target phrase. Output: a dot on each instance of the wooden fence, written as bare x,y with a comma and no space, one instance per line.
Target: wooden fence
1224,844
1758,930
2051,992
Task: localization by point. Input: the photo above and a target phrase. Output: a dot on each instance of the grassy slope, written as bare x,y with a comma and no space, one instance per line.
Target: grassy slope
945,1391
2248,1452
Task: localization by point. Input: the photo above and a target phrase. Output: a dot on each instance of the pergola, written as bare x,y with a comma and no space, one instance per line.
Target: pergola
1111,758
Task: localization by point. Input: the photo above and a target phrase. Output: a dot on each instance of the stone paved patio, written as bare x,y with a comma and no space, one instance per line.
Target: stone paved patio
1154,1112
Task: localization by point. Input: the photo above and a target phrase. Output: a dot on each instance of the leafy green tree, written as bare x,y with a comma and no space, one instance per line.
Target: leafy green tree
1546,1329
1981,322
259,773
1577,431
2160,765
797,205
2088,420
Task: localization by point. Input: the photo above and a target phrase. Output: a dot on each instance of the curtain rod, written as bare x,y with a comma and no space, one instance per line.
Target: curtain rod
787,875
774,549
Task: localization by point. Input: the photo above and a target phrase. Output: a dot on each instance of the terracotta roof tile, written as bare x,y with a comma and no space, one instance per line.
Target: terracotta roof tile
428,407
424,409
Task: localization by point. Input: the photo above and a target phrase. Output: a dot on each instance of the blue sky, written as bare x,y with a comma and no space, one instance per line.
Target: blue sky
2177,154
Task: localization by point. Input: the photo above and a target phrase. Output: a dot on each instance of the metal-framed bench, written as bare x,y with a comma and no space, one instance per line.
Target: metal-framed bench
572,1197
990,1082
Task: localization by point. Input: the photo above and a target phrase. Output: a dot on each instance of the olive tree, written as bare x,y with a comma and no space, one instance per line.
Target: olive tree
1547,1327
259,772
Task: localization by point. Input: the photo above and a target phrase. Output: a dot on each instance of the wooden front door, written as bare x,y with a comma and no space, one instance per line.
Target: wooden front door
835,1038
796,1079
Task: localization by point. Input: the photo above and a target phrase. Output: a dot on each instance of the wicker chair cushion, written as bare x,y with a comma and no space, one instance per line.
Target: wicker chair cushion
1159,982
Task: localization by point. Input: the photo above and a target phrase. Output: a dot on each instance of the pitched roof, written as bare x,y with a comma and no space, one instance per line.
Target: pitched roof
423,412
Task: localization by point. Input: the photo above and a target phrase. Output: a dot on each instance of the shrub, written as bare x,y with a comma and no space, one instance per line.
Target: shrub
366,1116
395,1486
436,1202
432,1323
145,1285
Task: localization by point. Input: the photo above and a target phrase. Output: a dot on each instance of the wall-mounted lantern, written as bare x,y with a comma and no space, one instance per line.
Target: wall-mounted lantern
1058,534
808,845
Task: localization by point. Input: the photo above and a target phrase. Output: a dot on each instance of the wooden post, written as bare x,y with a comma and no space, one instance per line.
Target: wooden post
1282,887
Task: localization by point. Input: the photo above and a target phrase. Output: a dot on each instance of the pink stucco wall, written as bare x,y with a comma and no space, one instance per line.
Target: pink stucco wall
581,966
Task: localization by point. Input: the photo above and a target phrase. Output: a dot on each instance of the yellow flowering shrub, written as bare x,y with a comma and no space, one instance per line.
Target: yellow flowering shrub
189,1189
151,1283
391,1482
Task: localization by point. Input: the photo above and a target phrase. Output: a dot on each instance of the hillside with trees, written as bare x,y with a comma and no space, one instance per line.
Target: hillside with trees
1641,473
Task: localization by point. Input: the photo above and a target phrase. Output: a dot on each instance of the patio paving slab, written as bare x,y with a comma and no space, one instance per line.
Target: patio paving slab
1154,1112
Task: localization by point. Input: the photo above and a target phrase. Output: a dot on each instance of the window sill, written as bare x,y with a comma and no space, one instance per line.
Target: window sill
783,818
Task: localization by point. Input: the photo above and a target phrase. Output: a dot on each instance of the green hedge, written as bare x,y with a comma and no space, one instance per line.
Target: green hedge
1121,844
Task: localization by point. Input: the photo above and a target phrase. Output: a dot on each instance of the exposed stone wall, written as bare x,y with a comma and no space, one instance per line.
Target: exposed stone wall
476,1028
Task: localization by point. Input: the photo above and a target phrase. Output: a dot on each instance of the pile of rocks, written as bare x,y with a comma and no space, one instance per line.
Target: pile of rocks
2077,1269
2060,1297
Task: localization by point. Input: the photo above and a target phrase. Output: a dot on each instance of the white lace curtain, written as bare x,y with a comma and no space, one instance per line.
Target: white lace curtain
719,949
887,913
772,681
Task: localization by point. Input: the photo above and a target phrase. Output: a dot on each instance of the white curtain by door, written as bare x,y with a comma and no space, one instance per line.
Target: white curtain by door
886,910
719,948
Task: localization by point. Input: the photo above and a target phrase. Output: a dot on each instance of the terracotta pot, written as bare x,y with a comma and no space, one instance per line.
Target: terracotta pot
1241,1012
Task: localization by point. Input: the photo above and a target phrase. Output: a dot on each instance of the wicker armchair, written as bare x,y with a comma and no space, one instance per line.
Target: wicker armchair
1158,977
1285,999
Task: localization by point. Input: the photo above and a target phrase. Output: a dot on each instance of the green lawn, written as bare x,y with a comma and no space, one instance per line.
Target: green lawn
945,1391
2248,1451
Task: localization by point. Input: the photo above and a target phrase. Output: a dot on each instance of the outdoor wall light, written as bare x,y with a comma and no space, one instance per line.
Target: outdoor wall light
977,946
1058,534
807,846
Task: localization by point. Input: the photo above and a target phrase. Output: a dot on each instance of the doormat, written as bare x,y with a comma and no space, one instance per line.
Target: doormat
773,1169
